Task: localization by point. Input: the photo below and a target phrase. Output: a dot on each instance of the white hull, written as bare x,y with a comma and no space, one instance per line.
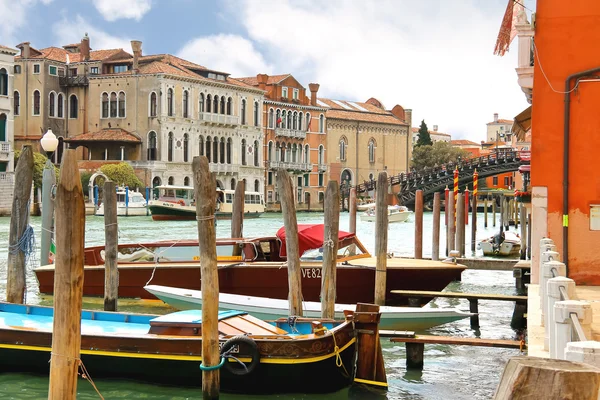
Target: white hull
123,211
397,318
395,214
510,247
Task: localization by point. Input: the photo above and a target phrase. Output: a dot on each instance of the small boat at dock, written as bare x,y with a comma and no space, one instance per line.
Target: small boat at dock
129,203
395,214
504,244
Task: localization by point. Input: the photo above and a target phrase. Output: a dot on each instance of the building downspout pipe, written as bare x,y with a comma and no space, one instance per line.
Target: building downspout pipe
567,123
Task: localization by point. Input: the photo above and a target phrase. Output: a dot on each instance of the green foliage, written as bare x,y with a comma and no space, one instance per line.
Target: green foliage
424,138
39,161
122,174
85,181
437,154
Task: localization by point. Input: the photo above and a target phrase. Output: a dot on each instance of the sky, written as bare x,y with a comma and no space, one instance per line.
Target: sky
432,56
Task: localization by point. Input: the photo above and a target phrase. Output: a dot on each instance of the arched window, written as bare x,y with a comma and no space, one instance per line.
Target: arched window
222,105
186,181
243,150
300,120
186,99
229,145
270,151
277,152
222,150
284,119
294,153
308,122
216,104
372,150
36,102
153,107
152,146
321,159
295,120
208,103
113,105
321,123
256,114
271,118
59,151
3,82
289,120
201,145
201,103
278,119
17,103
256,161
105,105
232,184
171,180
215,149
170,110
73,106
306,154
343,147
185,147
51,104
3,127
60,104
170,147
208,148
256,185
283,151
229,105
243,112
122,104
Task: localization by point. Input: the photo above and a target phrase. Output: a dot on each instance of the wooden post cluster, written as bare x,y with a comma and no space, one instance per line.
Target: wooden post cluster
68,281
419,224
19,221
370,366
290,223
205,188
381,238
451,232
111,239
494,200
330,248
485,211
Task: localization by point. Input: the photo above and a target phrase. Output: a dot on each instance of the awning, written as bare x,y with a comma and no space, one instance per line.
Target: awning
522,124
106,135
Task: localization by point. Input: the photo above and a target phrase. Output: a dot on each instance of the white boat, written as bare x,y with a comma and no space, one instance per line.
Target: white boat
395,214
366,205
129,203
506,244
403,318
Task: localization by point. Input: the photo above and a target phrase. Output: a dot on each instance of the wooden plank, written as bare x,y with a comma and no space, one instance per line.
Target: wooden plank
330,249
460,341
265,325
111,240
435,249
455,295
381,238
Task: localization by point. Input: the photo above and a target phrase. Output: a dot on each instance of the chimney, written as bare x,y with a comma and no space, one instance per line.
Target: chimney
84,48
314,88
495,117
435,128
25,49
136,46
262,81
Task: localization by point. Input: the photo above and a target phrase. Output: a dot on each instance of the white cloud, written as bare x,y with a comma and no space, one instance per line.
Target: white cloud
14,17
113,10
434,57
71,31
228,53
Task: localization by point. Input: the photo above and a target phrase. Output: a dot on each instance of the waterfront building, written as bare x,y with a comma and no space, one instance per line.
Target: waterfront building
435,135
7,113
294,129
474,149
499,130
154,111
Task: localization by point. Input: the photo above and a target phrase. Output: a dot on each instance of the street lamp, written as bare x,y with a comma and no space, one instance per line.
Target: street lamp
49,144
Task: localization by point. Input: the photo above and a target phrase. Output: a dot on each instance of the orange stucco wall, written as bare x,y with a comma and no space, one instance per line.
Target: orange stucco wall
567,36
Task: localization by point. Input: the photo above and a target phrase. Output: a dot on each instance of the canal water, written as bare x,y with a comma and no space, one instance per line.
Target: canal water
451,372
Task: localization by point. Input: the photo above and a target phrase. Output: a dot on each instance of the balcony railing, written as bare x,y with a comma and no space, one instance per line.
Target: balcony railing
77,80
322,167
291,166
4,151
223,168
7,177
219,119
291,133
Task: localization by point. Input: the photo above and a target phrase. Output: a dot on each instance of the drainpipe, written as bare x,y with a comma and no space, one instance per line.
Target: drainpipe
567,121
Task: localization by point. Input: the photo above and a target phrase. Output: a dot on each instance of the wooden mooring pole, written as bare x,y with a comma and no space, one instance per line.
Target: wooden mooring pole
237,214
435,249
288,209
419,224
474,212
460,225
485,211
330,248
381,238
494,211
352,217
205,188
68,281
19,221
111,238
450,237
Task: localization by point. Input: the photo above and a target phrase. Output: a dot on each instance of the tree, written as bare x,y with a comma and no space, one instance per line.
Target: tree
437,154
424,138
122,174
39,161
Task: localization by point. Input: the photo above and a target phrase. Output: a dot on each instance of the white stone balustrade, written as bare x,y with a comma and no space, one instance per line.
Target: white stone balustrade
563,328
553,293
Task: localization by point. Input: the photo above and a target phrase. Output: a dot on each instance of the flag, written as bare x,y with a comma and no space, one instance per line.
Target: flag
52,254
278,120
514,11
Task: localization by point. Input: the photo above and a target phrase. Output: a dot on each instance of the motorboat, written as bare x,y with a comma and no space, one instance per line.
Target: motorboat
395,214
364,205
129,203
504,244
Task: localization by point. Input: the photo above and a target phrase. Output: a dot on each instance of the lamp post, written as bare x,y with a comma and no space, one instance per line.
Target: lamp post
49,143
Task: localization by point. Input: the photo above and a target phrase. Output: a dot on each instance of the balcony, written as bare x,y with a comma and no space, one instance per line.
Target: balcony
526,57
322,167
4,151
291,166
224,168
8,177
219,119
290,133
73,81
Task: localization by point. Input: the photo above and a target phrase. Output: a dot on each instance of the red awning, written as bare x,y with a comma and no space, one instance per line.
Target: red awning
310,236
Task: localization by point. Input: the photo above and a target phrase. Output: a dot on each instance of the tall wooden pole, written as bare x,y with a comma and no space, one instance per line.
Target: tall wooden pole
451,227
466,197
48,182
330,248
68,281
381,237
446,199
494,199
205,188
111,238
237,214
435,249
474,212
419,224
455,192
460,225
352,211
19,221
288,209
523,211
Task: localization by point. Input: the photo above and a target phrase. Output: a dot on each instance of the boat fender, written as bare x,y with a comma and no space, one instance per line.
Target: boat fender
181,203
234,367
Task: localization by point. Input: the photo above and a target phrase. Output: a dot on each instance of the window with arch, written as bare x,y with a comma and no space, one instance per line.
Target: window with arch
170,147
278,118
308,122
300,121
243,151
121,104
185,105
229,147
185,147
3,82
215,149
371,150
208,148
306,154
284,118
270,151
243,112
208,103
222,150
17,103
36,102
170,111
171,180
222,111
51,104
105,103
232,184
73,106
256,160
201,103
153,104
60,105
295,120
152,146
294,153
216,104
321,159
289,120
256,185
321,123
343,148
3,135
201,145
271,118
186,181
229,105
256,114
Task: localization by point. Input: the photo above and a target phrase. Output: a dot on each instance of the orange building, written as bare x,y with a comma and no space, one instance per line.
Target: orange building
565,166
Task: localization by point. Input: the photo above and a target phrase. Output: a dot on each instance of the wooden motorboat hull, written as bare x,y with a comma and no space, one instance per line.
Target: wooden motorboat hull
163,211
393,318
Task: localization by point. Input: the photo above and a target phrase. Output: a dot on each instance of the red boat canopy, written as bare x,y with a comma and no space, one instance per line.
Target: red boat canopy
310,236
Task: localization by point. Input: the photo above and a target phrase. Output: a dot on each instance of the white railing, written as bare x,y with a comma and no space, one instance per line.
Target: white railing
219,118
291,133
7,176
294,166
224,168
322,167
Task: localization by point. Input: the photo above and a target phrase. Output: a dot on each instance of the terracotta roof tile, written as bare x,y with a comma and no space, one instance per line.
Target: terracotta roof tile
501,121
106,135
7,48
462,142
416,130
272,79
352,112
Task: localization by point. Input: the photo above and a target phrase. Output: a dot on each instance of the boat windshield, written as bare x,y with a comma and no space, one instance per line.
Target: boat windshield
170,253
351,250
